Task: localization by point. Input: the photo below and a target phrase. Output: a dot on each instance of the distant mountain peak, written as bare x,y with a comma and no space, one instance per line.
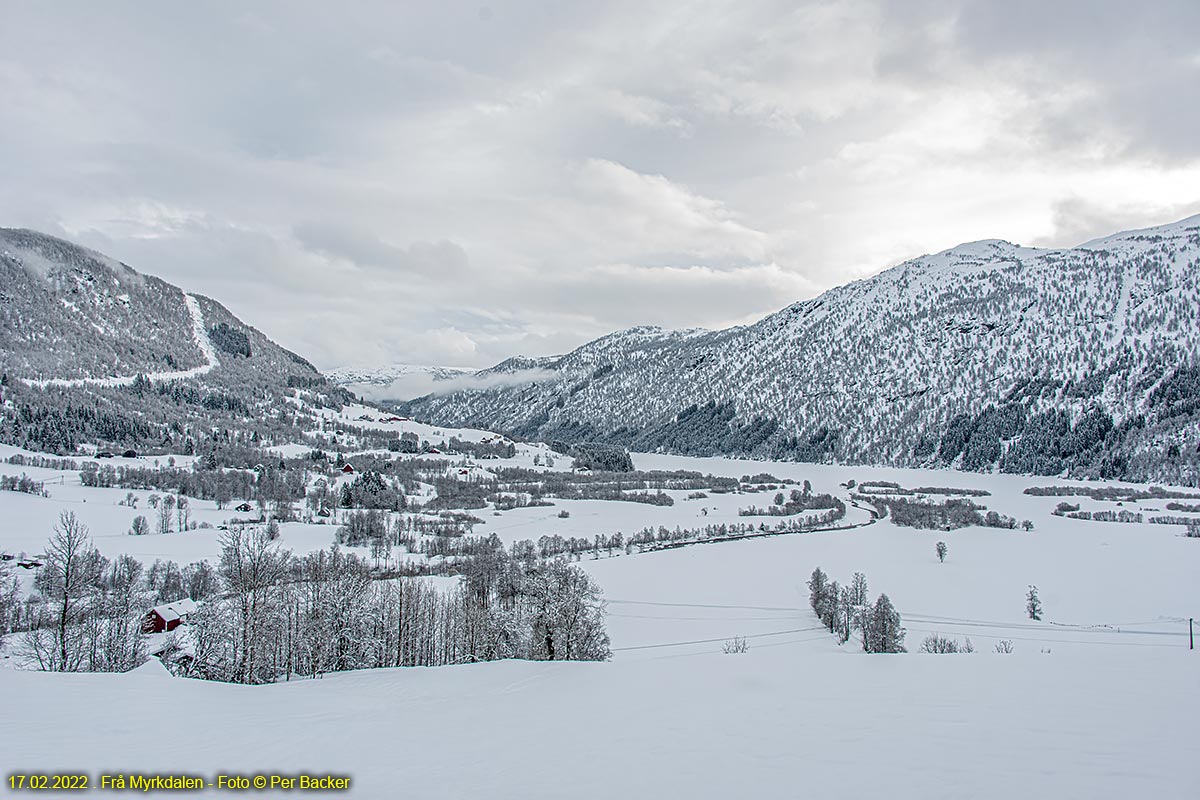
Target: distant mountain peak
1189,227
383,375
46,255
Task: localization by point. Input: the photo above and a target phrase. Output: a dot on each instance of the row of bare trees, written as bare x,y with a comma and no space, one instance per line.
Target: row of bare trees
281,616
90,617
845,609
269,615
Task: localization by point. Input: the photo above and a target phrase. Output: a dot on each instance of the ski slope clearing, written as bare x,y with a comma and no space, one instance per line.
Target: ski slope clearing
199,333
766,724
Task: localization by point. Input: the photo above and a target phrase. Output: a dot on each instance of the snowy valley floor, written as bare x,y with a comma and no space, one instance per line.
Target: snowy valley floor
768,723
1101,699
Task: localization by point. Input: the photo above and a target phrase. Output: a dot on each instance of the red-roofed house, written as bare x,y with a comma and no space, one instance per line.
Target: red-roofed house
168,616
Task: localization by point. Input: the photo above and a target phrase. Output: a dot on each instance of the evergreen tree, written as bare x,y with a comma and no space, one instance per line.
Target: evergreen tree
882,631
1033,604
817,584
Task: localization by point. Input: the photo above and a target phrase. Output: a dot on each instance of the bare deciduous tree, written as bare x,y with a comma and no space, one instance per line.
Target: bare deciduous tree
67,581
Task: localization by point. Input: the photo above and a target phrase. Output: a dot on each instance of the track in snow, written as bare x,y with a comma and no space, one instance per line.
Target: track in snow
199,334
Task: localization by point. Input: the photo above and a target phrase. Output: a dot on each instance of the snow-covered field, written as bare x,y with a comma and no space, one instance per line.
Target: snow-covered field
1099,699
781,723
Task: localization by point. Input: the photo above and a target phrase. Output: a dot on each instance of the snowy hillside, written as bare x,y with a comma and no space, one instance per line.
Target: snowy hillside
95,353
70,317
200,336
68,313
986,355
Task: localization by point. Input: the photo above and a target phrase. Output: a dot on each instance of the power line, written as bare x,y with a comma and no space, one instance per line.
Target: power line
1017,626
928,619
697,619
756,647
703,605
1066,641
796,641
720,639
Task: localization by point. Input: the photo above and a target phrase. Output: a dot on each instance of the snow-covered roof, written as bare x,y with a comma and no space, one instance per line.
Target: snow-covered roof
176,610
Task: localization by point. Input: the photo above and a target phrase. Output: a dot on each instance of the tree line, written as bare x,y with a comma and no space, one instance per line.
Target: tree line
846,609
268,615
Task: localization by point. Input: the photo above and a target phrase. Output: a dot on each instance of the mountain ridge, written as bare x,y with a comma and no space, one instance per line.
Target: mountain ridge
986,340
91,349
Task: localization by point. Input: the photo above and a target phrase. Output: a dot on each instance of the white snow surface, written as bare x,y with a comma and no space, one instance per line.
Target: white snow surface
1100,699
782,723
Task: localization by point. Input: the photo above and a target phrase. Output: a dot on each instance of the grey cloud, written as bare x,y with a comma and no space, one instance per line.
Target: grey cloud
625,295
1136,66
1078,220
422,183
441,259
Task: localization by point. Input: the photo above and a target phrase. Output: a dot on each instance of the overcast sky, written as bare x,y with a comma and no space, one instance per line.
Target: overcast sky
454,183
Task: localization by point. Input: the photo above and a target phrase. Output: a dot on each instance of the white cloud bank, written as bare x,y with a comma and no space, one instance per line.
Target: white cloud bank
419,384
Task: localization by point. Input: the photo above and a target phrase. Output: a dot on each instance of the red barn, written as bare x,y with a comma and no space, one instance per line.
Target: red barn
168,616
349,470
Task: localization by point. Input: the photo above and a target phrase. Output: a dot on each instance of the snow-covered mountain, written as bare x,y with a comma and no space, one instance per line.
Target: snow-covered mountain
368,379
400,382
70,316
91,349
69,313
987,354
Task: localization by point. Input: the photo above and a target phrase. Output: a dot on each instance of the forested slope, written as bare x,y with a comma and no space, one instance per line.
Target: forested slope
988,355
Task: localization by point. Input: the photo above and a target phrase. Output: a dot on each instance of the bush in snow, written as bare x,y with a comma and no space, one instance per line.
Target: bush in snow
735,645
943,644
